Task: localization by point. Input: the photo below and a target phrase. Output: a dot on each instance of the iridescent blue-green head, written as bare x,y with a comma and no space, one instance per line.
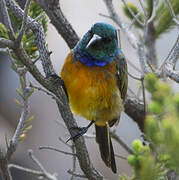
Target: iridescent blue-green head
98,46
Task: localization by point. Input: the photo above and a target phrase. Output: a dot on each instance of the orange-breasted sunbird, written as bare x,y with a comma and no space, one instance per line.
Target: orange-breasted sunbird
95,79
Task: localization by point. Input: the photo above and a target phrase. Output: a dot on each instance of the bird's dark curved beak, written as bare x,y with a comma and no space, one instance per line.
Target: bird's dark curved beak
94,38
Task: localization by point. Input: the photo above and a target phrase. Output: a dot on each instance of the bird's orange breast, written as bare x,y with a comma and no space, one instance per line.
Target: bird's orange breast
92,90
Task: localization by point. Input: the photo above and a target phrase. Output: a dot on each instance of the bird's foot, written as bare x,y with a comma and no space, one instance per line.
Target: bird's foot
81,131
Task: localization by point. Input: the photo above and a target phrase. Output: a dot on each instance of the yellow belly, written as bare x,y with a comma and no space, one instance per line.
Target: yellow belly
92,91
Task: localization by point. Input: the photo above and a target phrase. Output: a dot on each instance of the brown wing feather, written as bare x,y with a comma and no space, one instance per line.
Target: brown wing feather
122,78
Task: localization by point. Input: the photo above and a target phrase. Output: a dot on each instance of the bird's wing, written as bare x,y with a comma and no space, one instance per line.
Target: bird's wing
122,77
122,80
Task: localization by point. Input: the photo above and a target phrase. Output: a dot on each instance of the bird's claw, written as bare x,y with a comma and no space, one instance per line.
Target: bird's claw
81,132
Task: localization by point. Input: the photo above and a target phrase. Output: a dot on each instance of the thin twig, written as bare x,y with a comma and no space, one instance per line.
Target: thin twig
121,157
143,93
44,90
38,18
169,54
132,92
64,142
38,58
74,161
42,173
4,50
24,114
4,43
39,36
114,16
134,66
24,23
172,12
143,8
27,170
142,58
117,138
132,13
6,20
36,161
76,175
136,78
154,2
104,15
134,20
57,150
138,92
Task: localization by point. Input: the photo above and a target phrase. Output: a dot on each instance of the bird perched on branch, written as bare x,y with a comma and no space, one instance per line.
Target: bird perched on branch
95,79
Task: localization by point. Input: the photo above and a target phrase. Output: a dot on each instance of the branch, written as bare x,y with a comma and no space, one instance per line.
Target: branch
15,139
174,75
153,12
172,12
39,36
27,170
117,138
42,173
114,16
24,23
57,150
174,55
6,43
57,18
135,110
132,13
5,158
6,20
55,87
4,171
168,66
142,58
76,175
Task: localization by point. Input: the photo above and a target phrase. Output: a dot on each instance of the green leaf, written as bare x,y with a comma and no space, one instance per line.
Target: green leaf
20,93
29,120
22,137
28,39
165,22
27,129
17,102
149,8
151,82
3,31
135,11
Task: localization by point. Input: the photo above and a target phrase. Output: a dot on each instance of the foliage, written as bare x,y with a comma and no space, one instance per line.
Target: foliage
3,31
162,132
29,45
163,21
28,38
135,11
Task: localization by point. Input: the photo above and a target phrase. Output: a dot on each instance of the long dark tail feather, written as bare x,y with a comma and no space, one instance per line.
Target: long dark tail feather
105,146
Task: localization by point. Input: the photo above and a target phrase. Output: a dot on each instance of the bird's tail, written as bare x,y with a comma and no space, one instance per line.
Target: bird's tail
105,146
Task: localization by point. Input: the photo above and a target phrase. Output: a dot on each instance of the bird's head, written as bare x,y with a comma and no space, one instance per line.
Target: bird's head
99,45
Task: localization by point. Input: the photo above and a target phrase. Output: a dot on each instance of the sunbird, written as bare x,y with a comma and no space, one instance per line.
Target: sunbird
95,80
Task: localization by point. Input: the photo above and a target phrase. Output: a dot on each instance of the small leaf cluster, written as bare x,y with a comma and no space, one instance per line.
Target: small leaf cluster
143,163
28,39
26,126
163,21
162,123
162,133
